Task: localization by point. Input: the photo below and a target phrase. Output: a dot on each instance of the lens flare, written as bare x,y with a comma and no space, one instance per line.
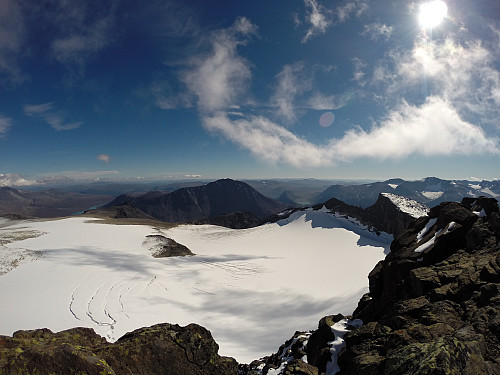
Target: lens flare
326,119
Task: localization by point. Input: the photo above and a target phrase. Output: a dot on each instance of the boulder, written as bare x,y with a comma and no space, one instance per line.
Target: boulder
162,247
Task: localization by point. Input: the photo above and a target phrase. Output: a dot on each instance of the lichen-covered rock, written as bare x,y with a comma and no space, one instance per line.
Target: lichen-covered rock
43,352
161,349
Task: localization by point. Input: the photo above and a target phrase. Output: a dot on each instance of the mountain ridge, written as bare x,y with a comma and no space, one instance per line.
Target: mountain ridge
203,202
430,190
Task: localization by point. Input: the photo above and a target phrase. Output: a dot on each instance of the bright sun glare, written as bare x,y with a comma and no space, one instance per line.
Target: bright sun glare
432,13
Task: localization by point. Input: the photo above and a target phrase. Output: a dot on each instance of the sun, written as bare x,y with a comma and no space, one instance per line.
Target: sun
432,13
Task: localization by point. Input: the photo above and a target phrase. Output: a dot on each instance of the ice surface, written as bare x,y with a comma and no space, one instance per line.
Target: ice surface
252,288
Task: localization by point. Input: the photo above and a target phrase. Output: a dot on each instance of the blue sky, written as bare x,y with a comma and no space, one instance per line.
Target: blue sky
248,89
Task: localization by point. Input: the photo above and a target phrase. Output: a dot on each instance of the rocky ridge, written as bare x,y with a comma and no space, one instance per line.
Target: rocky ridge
433,305
390,213
165,349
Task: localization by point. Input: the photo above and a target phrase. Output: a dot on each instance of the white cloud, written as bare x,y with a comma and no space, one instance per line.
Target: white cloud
318,18
269,141
218,78
291,81
104,157
462,72
432,129
359,74
55,119
5,124
322,102
37,109
11,179
376,31
356,8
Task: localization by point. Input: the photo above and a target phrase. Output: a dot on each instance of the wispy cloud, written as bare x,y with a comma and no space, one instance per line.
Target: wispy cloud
359,74
376,31
435,126
219,77
318,18
462,72
104,157
5,124
56,119
12,34
321,102
351,8
269,141
291,81
79,31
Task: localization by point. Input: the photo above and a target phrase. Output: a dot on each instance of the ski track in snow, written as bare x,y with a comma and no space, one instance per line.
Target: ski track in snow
262,283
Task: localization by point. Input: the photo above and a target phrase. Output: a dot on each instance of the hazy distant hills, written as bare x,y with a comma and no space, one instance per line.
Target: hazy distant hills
202,202
47,203
430,191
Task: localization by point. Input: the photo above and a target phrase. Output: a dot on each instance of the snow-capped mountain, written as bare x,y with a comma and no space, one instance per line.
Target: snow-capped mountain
390,213
430,191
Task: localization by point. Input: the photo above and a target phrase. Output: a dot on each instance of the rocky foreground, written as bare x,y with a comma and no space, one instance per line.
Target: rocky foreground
433,308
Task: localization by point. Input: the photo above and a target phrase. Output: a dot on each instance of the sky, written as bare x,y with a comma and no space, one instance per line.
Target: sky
126,89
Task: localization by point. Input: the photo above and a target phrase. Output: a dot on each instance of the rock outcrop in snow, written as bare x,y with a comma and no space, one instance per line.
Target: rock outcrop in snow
163,247
391,213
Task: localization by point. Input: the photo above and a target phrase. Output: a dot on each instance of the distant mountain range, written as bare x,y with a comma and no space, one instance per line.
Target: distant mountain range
204,202
430,191
47,203
227,202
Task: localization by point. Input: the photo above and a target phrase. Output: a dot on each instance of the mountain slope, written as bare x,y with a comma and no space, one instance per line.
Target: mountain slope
430,191
390,213
202,202
46,203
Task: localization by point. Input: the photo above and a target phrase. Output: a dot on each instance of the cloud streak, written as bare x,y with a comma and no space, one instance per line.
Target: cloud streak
81,32
12,34
5,124
55,119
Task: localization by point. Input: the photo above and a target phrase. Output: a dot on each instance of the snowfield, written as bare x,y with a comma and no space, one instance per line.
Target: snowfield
252,288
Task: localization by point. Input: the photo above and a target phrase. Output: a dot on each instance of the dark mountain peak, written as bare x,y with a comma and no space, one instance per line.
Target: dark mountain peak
199,203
